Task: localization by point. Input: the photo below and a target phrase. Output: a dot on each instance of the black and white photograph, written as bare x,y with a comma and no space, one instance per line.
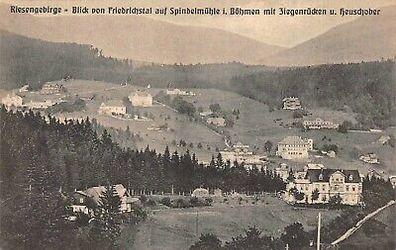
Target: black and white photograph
197,124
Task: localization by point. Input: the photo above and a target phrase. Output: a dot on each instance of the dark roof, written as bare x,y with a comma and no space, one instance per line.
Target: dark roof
351,176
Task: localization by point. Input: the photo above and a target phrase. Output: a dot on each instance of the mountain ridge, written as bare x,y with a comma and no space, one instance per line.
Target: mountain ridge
363,39
141,38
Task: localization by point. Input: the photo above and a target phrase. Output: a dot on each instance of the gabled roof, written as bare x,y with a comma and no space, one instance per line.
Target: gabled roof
121,191
82,193
291,98
96,192
113,103
52,84
140,93
315,166
323,175
293,140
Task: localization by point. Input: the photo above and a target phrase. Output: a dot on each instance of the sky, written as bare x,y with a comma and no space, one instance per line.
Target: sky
276,30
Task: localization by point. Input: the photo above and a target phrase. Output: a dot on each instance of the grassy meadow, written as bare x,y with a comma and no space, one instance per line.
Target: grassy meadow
256,125
176,228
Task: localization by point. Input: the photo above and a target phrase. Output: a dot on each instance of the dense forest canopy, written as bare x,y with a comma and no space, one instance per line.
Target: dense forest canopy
80,158
41,156
32,61
368,88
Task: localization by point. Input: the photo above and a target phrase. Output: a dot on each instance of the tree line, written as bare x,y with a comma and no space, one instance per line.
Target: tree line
376,193
34,62
41,156
293,237
81,158
368,88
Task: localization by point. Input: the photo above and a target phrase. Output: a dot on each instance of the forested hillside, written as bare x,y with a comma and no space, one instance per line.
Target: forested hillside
194,76
369,89
41,157
141,38
81,158
34,62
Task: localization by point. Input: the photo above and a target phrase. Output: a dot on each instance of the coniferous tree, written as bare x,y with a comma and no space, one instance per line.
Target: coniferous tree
106,225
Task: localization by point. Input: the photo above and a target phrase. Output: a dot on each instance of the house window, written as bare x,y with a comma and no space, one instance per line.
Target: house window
323,187
353,188
347,187
81,200
350,177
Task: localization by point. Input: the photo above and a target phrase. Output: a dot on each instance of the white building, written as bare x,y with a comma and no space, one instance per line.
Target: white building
12,100
217,121
392,179
112,107
80,203
370,158
39,104
384,139
50,88
38,101
294,147
200,193
141,99
206,113
291,103
126,200
24,89
283,171
179,92
319,123
240,147
241,153
326,183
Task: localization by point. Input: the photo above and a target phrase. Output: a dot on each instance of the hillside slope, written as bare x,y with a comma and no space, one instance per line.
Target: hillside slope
141,38
27,60
364,39
31,61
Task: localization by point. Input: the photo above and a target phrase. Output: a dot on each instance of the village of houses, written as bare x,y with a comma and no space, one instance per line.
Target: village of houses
294,157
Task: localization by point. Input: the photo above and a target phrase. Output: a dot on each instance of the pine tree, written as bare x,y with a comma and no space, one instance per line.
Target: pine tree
106,226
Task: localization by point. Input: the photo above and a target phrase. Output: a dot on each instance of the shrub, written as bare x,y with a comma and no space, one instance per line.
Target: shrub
181,203
207,241
82,219
166,201
335,202
298,114
330,147
343,128
151,202
194,201
143,198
